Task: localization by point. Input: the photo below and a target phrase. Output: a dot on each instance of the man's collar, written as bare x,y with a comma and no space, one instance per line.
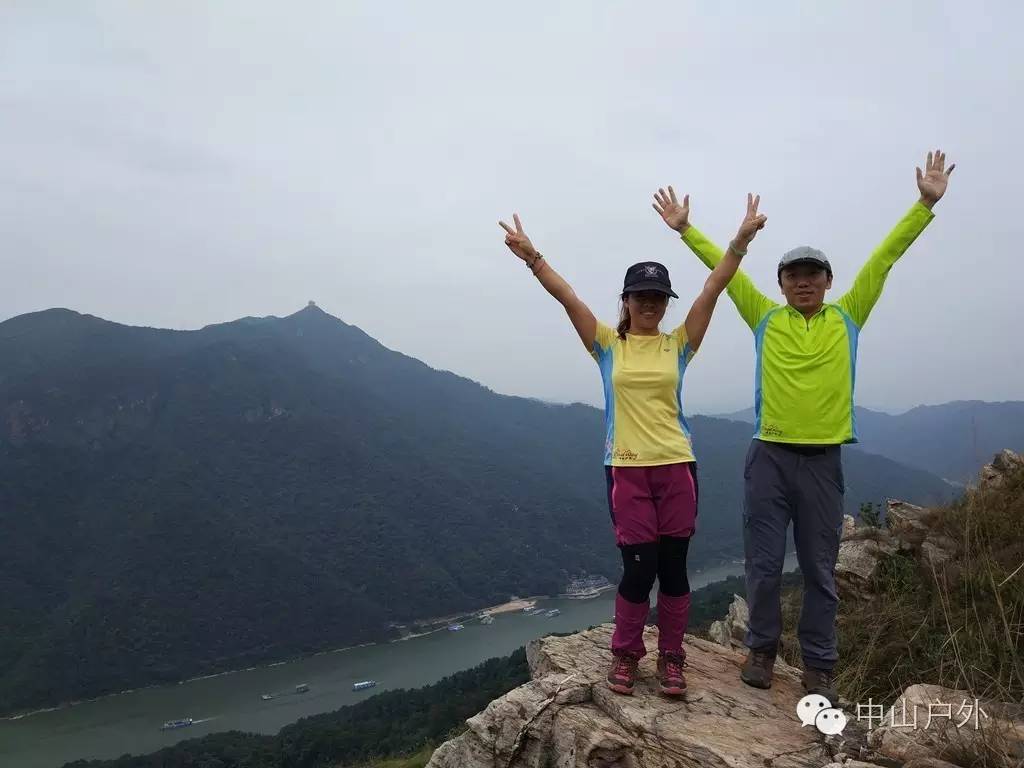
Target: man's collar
796,311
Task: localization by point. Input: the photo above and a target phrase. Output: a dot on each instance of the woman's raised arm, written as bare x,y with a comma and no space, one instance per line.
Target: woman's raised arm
699,316
582,318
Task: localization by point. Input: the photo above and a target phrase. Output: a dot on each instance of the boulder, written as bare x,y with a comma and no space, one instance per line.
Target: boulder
567,717
1003,464
732,630
908,523
858,561
929,722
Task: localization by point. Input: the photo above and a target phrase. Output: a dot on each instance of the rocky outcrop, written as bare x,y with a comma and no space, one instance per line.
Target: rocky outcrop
731,630
859,555
909,528
567,717
909,523
1005,462
929,722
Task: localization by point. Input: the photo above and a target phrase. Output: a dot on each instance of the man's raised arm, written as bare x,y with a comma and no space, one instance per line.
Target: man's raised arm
867,286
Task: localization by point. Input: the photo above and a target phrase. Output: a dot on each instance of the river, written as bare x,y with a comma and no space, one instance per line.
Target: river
130,722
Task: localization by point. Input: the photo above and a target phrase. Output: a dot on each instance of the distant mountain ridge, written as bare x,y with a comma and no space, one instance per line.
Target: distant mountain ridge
181,502
950,440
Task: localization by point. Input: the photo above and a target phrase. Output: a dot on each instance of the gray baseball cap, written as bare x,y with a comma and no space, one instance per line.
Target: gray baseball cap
804,255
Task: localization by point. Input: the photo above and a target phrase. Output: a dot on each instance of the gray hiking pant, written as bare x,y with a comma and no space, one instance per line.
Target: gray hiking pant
803,484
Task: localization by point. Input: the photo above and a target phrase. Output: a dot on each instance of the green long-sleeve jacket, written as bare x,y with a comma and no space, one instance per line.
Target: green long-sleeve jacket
806,369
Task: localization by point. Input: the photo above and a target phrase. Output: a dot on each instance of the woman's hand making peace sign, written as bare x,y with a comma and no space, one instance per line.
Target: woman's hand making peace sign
582,318
517,241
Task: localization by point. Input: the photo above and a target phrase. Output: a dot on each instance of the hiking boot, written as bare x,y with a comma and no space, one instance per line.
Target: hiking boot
822,682
623,673
757,669
670,673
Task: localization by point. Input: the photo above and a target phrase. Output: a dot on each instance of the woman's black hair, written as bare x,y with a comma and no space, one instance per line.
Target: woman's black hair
624,321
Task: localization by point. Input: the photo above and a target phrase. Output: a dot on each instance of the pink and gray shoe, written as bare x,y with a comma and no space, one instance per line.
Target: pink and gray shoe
670,673
622,676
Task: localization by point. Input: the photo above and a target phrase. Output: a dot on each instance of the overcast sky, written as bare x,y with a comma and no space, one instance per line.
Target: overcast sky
176,164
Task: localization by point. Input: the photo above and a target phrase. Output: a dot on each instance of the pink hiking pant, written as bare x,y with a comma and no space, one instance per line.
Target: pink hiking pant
654,511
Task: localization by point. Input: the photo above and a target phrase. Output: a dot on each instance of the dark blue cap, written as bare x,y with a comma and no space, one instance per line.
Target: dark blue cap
648,276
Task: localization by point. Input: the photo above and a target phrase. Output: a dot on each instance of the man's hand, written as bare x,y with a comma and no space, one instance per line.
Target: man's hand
676,216
752,222
517,241
933,181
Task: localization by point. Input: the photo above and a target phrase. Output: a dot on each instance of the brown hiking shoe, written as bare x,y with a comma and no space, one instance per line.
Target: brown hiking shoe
822,682
670,673
622,675
757,669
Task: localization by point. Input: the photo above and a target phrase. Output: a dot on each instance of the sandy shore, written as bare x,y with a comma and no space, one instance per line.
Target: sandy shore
513,605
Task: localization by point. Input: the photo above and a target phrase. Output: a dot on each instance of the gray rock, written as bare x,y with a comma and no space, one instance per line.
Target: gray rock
909,523
936,549
923,733
567,717
1003,463
731,630
858,562
929,762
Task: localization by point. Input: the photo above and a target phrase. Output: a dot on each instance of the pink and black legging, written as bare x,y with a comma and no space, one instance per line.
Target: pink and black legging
654,512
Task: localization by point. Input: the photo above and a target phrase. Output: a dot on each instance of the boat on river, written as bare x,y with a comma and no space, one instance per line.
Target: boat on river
172,724
300,688
362,686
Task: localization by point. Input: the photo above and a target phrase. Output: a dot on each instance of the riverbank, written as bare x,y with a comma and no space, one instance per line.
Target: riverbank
421,628
130,723
434,624
155,686
511,605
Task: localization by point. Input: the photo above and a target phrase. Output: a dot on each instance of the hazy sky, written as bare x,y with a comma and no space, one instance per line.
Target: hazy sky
177,164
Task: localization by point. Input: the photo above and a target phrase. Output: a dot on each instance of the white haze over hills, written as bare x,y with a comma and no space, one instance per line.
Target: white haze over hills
177,165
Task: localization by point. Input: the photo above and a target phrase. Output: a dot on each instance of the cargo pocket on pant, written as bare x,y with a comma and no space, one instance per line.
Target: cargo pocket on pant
749,461
839,469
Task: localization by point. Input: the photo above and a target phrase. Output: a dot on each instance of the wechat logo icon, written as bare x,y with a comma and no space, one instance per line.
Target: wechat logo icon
814,709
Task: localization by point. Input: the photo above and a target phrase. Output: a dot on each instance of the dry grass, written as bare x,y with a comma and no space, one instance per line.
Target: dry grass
418,760
960,626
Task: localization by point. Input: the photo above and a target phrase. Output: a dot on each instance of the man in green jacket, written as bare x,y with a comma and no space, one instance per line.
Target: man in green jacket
806,355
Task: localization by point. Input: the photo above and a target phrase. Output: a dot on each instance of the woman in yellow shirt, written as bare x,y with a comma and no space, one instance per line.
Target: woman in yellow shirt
649,462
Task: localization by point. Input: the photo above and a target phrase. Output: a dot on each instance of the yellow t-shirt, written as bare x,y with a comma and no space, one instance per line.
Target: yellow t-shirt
643,397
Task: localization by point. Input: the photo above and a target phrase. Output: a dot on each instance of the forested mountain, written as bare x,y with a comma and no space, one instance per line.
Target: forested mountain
178,502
